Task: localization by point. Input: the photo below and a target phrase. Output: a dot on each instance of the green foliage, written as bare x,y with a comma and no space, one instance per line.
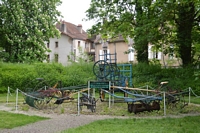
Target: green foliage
160,23
178,78
24,76
25,27
78,74
144,74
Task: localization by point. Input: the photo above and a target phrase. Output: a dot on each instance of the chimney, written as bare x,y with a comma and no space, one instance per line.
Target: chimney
63,27
79,28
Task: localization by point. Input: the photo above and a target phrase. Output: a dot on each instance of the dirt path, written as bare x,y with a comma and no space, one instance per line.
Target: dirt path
60,122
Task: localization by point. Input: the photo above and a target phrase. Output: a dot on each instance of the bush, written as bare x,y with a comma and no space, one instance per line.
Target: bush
23,76
178,78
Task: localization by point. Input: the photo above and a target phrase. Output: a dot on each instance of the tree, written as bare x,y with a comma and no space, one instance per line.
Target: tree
130,18
185,17
185,22
162,22
26,25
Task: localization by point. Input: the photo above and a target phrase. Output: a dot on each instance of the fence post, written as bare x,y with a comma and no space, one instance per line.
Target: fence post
8,93
189,94
164,104
78,103
109,96
16,106
147,90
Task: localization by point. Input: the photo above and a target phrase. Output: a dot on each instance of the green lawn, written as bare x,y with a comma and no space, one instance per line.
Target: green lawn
188,124
193,99
11,98
11,120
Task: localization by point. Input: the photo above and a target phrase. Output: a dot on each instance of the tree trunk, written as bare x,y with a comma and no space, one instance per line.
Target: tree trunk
141,43
184,31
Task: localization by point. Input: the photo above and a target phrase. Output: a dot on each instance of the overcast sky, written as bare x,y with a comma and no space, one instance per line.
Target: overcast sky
73,11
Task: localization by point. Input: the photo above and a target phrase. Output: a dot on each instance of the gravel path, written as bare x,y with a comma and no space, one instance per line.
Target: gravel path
60,122
55,125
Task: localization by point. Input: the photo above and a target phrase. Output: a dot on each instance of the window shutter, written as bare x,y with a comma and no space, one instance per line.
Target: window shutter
108,55
101,55
131,54
150,53
159,55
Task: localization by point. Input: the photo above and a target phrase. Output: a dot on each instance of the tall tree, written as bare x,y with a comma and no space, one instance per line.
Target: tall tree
26,25
162,22
185,22
130,18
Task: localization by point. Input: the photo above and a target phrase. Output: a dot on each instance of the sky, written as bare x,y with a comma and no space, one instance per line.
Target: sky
73,11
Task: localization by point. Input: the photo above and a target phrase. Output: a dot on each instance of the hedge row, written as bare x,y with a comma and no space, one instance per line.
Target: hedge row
22,75
178,78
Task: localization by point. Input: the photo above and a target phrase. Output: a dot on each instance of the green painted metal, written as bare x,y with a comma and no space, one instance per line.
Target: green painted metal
126,71
118,74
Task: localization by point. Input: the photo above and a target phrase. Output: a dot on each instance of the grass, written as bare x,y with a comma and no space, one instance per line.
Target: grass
188,124
11,120
193,99
11,97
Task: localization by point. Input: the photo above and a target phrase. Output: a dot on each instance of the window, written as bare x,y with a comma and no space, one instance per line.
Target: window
56,44
92,45
48,45
48,58
154,54
79,43
171,52
70,40
104,55
56,58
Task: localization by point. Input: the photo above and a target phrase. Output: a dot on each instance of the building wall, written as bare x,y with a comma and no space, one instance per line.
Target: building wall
120,47
79,47
165,60
63,50
116,47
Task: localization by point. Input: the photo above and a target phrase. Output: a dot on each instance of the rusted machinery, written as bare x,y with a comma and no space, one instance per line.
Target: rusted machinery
89,101
144,103
43,96
141,107
139,103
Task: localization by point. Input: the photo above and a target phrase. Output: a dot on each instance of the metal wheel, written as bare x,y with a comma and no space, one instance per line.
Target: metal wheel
101,69
93,107
114,76
40,95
